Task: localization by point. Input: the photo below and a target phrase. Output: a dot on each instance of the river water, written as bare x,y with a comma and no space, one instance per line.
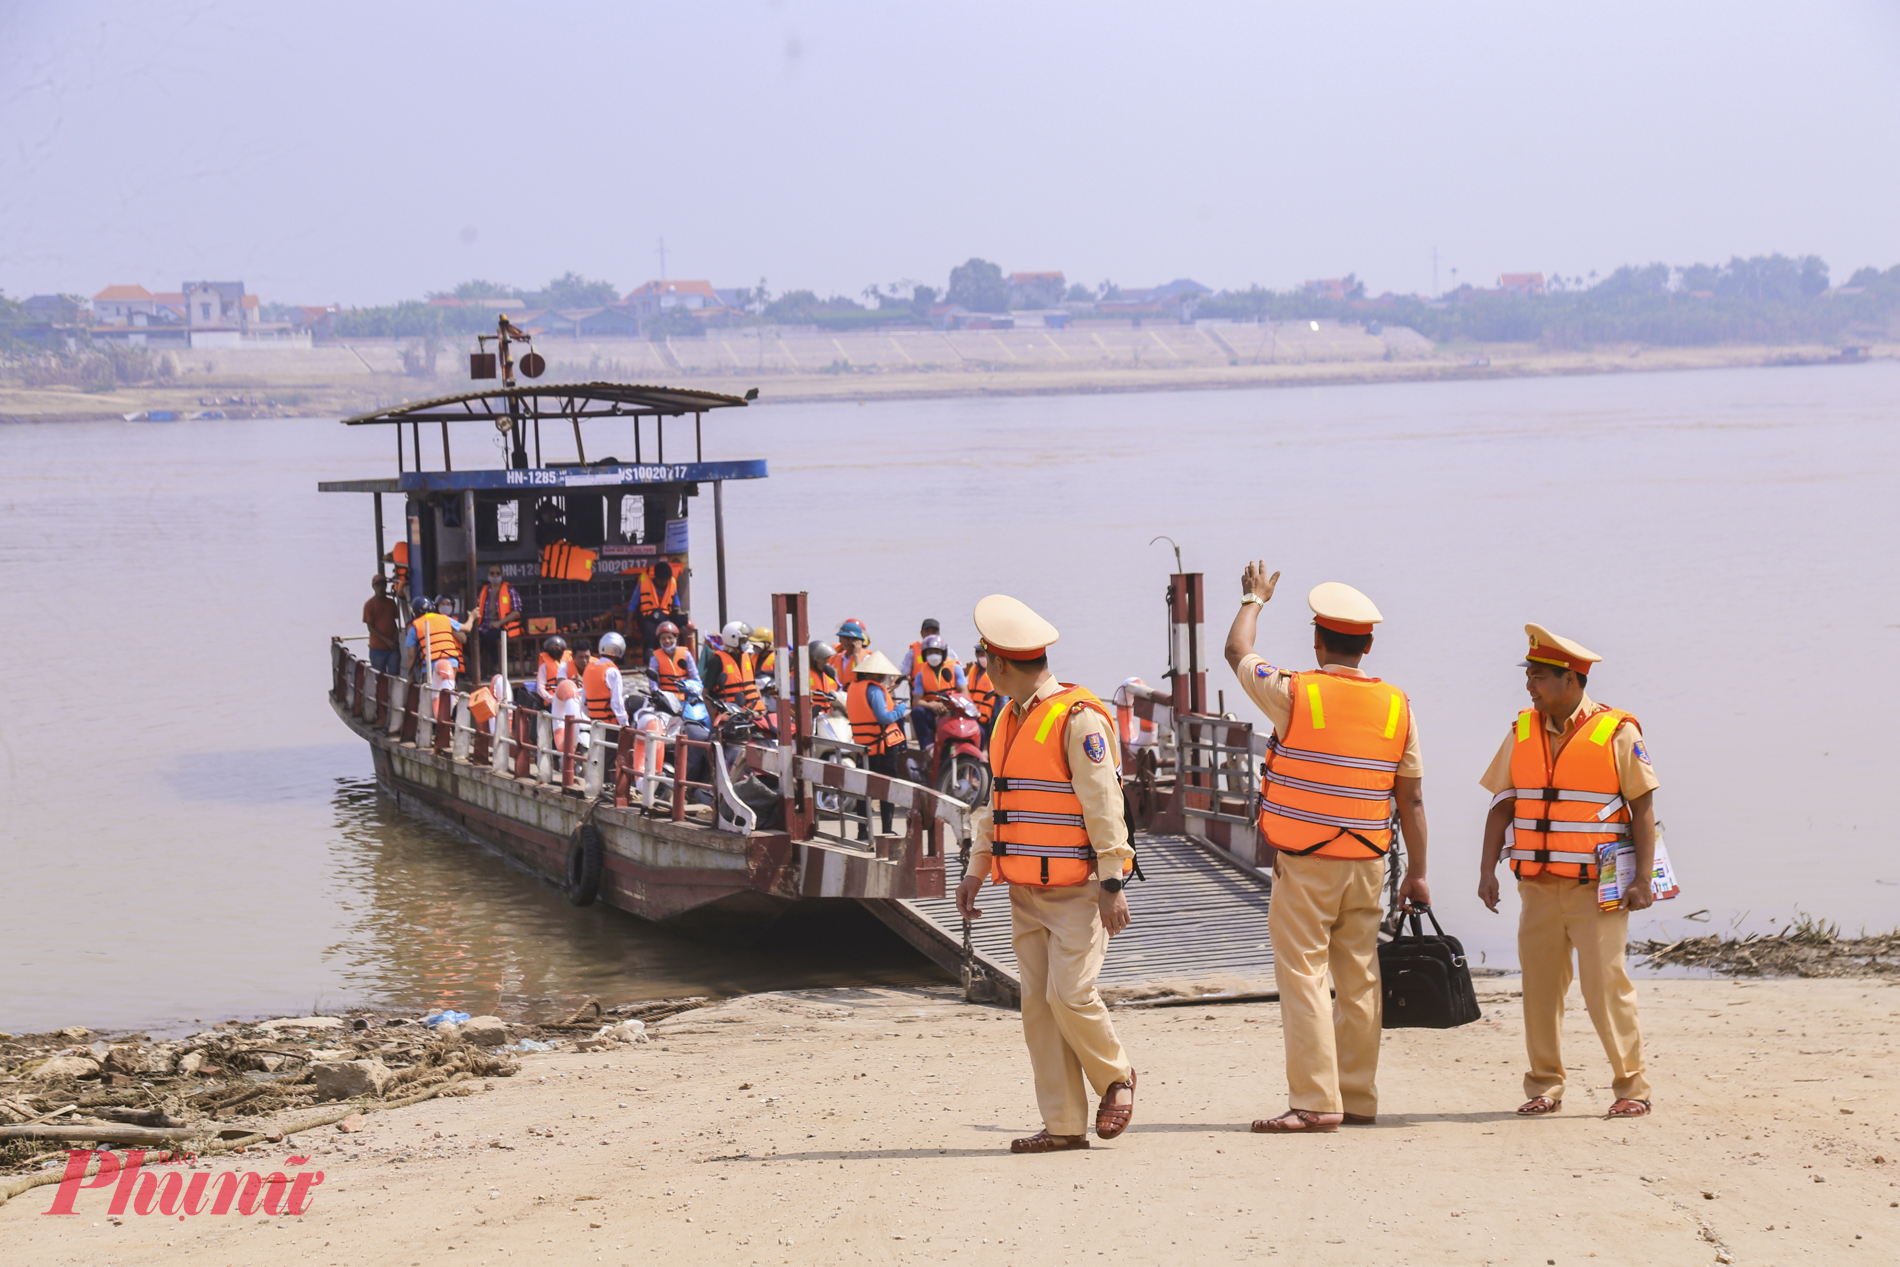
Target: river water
189,832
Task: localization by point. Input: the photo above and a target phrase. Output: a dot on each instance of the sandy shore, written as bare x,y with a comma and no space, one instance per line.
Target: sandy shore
870,1125
336,381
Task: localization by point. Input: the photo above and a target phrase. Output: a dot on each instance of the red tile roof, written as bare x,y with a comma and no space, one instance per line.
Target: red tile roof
124,292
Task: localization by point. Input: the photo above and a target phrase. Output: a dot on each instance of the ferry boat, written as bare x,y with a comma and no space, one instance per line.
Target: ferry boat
609,814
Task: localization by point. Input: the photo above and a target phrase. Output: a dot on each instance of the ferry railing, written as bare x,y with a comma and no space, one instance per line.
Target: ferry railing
930,817
1216,777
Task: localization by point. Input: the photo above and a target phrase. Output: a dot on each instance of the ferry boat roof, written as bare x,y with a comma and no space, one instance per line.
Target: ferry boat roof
504,407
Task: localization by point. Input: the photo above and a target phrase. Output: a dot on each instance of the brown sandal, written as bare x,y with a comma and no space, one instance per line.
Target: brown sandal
1309,1124
1044,1142
1629,1108
1539,1106
1112,1119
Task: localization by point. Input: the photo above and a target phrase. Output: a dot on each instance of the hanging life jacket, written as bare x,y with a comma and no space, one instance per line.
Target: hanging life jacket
1041,836
1564,809
878,736
600,700
740,685
563,562
1327,785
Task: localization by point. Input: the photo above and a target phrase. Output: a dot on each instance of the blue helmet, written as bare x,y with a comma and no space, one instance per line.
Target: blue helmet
851,629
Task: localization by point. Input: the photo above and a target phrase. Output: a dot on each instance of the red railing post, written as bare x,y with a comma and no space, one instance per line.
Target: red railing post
569,727
679,778
411,706
524,747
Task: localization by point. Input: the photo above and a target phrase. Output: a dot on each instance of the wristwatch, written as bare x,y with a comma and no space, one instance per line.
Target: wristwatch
1112,885
1245,599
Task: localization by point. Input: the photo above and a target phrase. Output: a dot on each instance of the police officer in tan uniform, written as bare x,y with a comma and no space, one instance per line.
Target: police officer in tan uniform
1055,832
1344,762
1574,765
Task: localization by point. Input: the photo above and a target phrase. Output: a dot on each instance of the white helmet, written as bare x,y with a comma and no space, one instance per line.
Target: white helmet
735,633
612,644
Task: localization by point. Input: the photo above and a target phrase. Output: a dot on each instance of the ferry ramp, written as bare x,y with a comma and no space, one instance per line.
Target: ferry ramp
1200,929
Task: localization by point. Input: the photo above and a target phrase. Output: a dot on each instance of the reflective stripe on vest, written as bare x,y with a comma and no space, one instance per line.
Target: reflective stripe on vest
1327,785
676,666
878,736
563,562
1040,832
739,685
1563,809
600,700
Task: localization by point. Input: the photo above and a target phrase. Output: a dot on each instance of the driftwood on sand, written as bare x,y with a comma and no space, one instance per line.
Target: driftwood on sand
1807,947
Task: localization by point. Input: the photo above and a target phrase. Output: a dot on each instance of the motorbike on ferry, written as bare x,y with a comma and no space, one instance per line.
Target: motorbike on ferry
956,765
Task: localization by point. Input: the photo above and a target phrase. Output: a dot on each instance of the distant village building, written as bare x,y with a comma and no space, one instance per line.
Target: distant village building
1036,290
1521,283
660,296
1326,287
197,315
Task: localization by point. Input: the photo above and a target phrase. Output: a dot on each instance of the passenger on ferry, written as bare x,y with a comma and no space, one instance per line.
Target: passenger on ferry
556,666
600,682
936,675
655,600
731,675
671,666
851,649
433,644
876,723
824,679
916,650
497,607
982,690
385,635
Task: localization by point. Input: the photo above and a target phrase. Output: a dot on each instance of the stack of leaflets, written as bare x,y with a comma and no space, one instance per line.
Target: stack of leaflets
1616,871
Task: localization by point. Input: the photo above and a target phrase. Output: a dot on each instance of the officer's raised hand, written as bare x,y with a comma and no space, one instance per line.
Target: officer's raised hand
1254,580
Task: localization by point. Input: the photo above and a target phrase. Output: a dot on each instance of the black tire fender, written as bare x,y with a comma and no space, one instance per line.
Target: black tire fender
584,849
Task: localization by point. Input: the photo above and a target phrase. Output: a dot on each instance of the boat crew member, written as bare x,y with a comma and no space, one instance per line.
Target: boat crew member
671,666
434,644
555,666
655,600
600,683
876,723
1342,765
1056,834
1570,776
385,636
851,649
982,690
936,675
731,675
497,608
915,652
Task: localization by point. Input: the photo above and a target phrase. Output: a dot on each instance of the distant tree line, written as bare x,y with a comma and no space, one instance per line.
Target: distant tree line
1762,299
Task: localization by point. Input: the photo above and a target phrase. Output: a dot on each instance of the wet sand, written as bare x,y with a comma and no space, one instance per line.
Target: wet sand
871,1125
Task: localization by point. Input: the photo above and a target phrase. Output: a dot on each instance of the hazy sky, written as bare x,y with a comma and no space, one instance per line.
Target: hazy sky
361,153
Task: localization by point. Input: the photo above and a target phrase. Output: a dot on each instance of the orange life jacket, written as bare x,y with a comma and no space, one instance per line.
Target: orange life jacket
399,555
878,736
1327,785
435,636
845,672
983,691
652,601
563,562
931,683
740,685
823,683
557,669
675,666
600,700
1564,809
1041,836
504,615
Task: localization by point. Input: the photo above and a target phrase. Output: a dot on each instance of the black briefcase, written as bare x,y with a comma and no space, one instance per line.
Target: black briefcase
1424,979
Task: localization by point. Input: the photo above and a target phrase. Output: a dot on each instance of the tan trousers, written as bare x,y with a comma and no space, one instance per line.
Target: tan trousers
1558,916
1060,944
1325,915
